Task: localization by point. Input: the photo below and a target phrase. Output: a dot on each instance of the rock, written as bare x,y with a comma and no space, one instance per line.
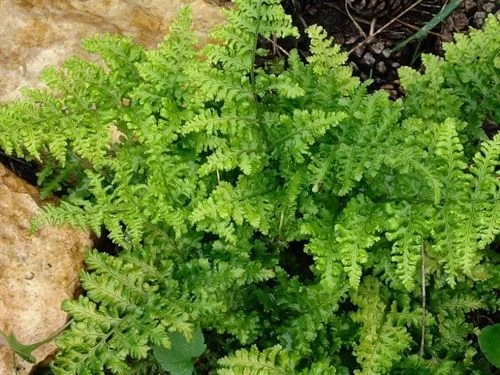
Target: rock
377,48
368,59
478,19
37,33
489,7
395,64
392,90
381,67
358,51
378,8
37,272
469,5
386,53
460,20
351,39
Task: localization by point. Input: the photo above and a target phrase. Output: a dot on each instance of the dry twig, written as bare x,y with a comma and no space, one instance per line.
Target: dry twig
277,46
353,20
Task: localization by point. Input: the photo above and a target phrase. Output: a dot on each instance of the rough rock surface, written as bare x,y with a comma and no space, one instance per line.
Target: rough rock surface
37,272
37,33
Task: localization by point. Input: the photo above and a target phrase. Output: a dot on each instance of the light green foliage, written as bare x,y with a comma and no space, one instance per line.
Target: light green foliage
122,316
466,82
280,207
382,340
272,361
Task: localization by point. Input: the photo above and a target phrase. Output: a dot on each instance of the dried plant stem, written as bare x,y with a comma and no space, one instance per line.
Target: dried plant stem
277,46
373,23
353,20
416,28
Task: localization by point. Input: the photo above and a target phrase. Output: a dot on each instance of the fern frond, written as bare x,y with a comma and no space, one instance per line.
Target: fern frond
382,340
228,206
406,228
355,236
300,130
165,87
365,140
486,191
329,62
272,361
119,53
234,175
119,318
466,205
466,82
249,21
450,150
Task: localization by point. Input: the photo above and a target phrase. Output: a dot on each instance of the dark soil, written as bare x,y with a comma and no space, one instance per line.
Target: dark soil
20,167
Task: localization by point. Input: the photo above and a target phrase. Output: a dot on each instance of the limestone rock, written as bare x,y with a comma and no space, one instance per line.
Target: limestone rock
37,33
37,272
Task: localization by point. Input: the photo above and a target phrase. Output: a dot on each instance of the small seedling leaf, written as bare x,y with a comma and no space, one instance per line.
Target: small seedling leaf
22,350
489,342
178,360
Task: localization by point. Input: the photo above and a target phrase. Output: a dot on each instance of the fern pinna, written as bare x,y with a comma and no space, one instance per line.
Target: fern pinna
229,170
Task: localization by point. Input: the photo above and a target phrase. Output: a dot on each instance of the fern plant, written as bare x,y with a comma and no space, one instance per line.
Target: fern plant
303,224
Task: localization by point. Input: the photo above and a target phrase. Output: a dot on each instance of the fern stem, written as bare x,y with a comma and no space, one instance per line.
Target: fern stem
258,115
55,334
254,51
422,270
